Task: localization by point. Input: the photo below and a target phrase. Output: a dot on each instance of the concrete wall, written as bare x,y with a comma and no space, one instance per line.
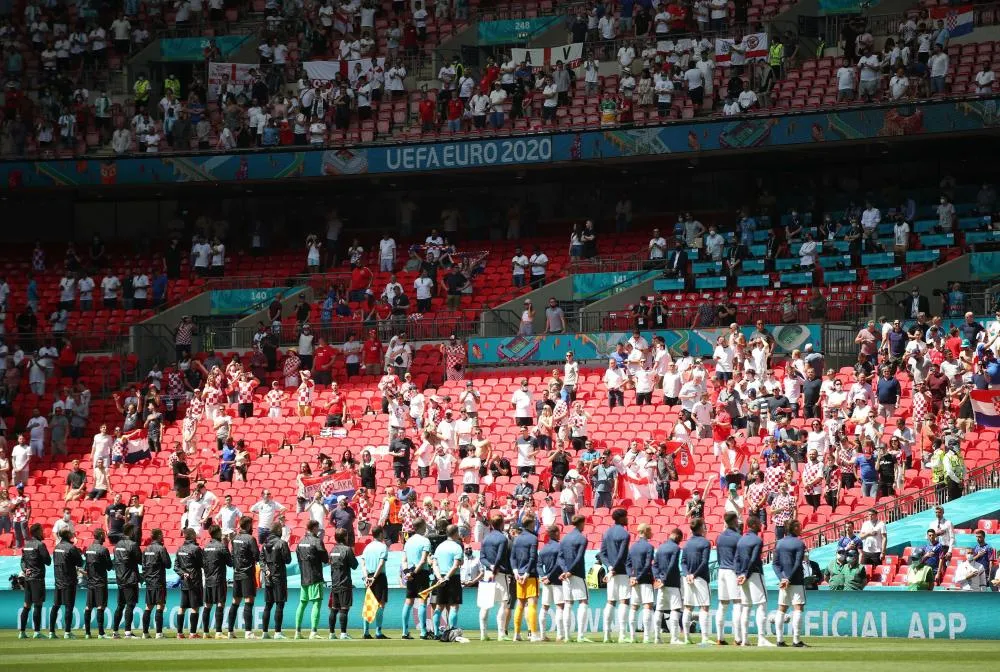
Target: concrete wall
615,302
939,277
247,325
561,290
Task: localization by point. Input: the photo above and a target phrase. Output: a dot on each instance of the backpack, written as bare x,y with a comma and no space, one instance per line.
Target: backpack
450,635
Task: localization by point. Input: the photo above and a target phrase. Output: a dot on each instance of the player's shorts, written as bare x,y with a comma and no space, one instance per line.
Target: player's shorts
552,594
575,590
34,592
451,592
753,590
192,598
128,594
696,593
216,594
310,593
341,598
728,588
97,597
276,592
528,589
65,596
418,581
792,595
244,588
669,599
156,594
504,591
380,588
619,589
642,593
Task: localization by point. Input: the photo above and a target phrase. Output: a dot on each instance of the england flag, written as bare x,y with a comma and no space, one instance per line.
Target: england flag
986,406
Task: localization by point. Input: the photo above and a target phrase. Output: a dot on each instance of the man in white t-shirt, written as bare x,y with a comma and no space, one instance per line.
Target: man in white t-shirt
67,292
615,378
874,540
845,81
550,94
747,98
523,405
985,79
387,253
201,254
140,286
86,285
424,288
538,263
657,246
110,285
695,81
519,266
870,65
899,85
938,69
36,426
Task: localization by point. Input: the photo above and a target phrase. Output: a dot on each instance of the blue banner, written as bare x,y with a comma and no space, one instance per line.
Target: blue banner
511,31
243,301
599,346
599,285
191,48
869,613
674,138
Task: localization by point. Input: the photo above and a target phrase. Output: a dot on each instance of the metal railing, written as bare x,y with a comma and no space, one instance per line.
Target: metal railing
613,263
685,317
982,477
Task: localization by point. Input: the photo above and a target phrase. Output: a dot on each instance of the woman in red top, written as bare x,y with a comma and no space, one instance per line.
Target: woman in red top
371,354
67,360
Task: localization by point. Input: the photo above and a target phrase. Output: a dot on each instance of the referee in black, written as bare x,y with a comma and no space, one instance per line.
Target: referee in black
216,558
274,574
127,559
98,565
190,561
66,560
34,558
342,561
155,563
246,555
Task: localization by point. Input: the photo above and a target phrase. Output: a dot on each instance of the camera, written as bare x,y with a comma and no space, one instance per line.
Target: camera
16,582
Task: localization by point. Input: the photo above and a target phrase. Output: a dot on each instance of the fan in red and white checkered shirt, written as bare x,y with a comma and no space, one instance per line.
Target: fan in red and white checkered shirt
305,393
275,398
245,387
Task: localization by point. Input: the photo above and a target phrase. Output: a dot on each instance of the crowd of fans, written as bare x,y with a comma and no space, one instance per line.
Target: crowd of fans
665,60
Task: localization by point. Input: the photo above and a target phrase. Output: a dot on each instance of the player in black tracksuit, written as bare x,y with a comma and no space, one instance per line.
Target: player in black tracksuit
246,554
66,560
98,565
127,559
155,563
342,561
274,575
188,564
217,558
34,558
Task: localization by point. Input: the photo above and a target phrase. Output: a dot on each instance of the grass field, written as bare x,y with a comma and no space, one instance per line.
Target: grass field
399,656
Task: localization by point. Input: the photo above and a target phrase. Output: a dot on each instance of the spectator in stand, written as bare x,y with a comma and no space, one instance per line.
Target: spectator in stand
938,66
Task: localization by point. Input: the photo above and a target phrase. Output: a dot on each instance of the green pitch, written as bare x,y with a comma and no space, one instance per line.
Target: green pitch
400,656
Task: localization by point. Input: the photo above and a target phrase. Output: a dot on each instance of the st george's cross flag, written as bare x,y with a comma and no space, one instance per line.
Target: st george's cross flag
986,407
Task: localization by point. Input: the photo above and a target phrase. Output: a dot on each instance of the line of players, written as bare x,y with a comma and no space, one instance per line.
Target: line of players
202,573
670,580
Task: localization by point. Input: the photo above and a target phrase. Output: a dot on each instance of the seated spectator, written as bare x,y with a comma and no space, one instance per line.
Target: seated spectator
76,483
